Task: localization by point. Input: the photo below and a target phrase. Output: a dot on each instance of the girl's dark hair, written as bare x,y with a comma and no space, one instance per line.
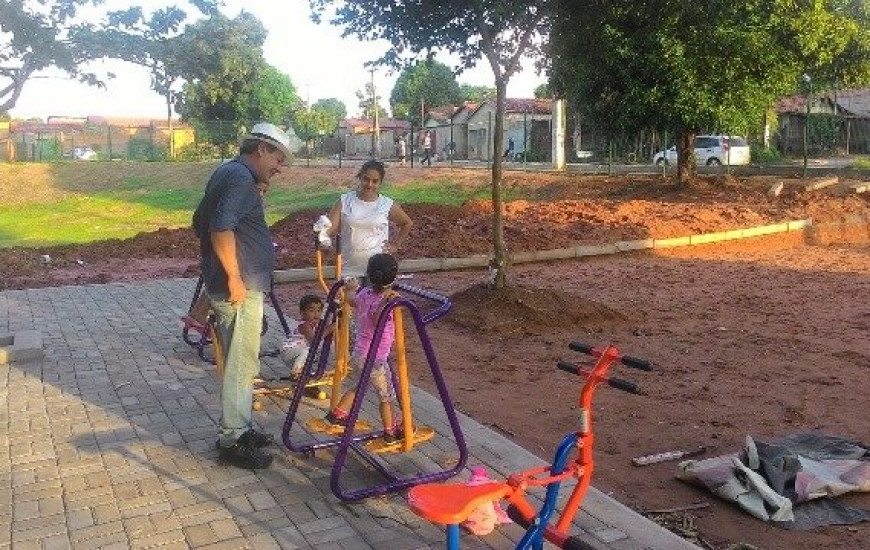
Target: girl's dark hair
372,164
381,271
308,300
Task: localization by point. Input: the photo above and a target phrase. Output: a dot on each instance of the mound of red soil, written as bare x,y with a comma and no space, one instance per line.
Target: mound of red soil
518,311
564,211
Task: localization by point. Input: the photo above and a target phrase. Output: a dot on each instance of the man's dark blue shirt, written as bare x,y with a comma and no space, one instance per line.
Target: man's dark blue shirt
232,202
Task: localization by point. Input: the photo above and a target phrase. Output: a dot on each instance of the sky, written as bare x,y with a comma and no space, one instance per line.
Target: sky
320,63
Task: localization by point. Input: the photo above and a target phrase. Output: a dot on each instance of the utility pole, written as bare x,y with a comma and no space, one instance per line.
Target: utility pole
809,82
307,123
376,131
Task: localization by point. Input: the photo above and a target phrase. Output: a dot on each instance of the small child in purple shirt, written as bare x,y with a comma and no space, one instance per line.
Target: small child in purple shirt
368,302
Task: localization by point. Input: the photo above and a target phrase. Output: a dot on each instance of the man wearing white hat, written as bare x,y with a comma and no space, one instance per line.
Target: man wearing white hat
237,260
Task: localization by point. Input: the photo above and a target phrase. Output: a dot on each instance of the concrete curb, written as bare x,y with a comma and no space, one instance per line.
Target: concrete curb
24,345
579,251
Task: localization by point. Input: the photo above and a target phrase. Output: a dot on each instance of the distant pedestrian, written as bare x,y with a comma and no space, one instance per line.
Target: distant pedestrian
509,152
401,150
427,149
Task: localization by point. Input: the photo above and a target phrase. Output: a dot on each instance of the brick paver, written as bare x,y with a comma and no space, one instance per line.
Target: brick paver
107,441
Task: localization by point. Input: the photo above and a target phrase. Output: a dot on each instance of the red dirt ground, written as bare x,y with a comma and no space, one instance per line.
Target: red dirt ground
760,337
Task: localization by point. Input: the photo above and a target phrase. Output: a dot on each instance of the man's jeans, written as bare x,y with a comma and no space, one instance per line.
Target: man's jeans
240,333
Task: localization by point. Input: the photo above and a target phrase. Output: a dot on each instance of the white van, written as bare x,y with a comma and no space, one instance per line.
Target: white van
711,151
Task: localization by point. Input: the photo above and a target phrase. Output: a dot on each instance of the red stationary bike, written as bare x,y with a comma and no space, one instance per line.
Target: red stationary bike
451,503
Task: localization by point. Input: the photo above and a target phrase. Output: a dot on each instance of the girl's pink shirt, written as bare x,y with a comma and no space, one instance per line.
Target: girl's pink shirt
367,303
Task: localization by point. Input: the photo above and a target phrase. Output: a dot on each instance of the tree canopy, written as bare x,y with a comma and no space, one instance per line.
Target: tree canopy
37,35
688,66
272,95
228,85
428,82
476,94
321,119
331,105
40,34
153,41
543,91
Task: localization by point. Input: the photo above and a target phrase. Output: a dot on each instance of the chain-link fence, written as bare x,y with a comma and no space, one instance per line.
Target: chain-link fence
41,142
464,137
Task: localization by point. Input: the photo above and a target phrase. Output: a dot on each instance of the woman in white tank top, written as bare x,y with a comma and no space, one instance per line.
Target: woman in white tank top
363,217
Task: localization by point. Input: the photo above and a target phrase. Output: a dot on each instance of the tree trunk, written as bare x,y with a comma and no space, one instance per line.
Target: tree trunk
499,260
686,157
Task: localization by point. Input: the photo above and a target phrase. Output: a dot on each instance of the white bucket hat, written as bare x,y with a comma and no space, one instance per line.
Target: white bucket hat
271,134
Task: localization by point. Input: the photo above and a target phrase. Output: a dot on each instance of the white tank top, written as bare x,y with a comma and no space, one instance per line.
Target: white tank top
365,229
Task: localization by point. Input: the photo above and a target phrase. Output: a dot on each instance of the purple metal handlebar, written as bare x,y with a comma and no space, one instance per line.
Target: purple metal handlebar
351,441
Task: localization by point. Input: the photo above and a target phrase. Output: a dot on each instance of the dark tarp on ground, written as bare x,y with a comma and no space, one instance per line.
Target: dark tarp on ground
790,482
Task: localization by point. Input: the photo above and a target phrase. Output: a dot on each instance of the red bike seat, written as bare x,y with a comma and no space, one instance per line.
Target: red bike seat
452,503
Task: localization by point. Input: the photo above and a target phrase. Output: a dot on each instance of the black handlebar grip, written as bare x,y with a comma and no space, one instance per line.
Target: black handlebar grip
573,368
574,543
623,385
635,363
581,347
517,517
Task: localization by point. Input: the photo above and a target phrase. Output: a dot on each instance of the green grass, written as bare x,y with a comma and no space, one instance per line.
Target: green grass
65,203
862,164
83,219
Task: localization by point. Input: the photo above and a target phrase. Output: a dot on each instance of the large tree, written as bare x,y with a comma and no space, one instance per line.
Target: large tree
223,68
272,95
426,82
40,34
320,119
499,31
852,66
688,67
476,94
153,41
334,106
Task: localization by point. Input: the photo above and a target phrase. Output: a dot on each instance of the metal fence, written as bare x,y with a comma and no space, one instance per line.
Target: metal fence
38,142
527,138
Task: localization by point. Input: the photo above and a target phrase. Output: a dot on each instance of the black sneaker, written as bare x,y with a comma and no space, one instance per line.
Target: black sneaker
245,456
334,420
252,438
256,439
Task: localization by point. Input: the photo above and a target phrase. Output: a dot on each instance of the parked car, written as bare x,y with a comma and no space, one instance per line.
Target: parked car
84,153
711,151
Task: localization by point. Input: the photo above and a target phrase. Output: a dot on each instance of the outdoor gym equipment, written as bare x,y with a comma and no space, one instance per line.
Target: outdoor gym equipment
340,316
367,445
200,335
451,504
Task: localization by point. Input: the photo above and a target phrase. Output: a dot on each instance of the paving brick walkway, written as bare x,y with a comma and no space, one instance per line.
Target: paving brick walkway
108,442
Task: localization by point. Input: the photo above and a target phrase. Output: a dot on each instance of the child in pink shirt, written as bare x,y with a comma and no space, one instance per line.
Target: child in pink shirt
368,302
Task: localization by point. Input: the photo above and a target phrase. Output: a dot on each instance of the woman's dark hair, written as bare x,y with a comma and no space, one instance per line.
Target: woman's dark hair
308,300
381,271
372,164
